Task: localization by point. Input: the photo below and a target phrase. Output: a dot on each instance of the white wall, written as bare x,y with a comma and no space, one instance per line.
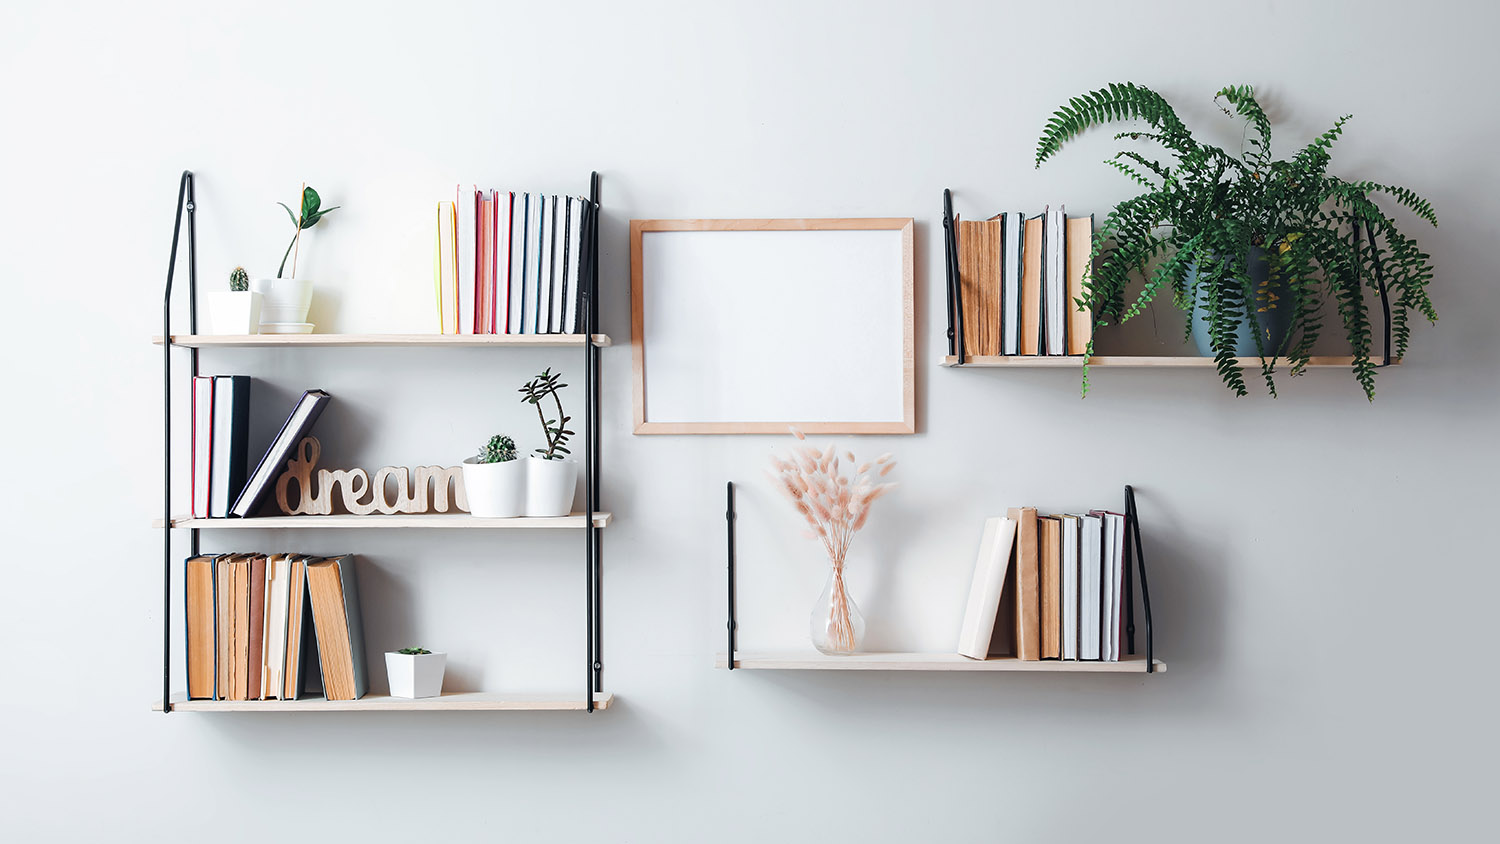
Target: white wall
1319,566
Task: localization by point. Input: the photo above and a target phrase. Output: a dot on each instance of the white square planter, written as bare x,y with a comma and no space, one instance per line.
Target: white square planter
234,312
415,675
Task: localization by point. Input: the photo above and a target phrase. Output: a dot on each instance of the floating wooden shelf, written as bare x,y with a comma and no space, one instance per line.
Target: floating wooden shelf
812,661
448,701
1076,361
427,520
199,341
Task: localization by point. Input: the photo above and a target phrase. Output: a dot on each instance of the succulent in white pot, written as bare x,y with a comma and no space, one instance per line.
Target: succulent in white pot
236,310
288,297
415,672
551,476
495,481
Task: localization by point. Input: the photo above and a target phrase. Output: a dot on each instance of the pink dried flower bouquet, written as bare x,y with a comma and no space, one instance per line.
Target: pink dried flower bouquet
835,505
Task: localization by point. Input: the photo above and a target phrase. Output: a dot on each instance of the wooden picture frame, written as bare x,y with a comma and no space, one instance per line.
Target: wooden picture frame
838,308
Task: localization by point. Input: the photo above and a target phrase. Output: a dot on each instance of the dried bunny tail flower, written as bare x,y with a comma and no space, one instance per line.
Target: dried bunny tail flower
849,456
863,467
883,458
795,432
887,468
807,534
859,521
821,510
806,465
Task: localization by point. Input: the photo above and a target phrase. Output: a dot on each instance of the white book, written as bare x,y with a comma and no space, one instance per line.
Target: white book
988,584
278,579
1114,527
468,230
1090,585
500,269
1056,314
1069,586
445,269
547,238
519,213
563,263
203,426
1010,283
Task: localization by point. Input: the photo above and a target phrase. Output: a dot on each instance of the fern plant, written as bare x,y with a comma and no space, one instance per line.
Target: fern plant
1202,212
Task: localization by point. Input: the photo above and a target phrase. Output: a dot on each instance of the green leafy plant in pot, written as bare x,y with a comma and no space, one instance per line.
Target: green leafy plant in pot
287,297
1252,248
551,477
495,481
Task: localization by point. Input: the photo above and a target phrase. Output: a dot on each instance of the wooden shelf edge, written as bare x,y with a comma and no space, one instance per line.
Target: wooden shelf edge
377,340
803,661
447,702
1138,361
437,521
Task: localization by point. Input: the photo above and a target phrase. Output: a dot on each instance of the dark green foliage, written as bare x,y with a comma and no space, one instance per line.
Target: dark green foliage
556,430
312,212
413,651
239,280
1209,207
500,449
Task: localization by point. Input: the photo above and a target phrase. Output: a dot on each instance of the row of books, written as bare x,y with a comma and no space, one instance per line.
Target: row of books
1021,280
248,617
221,486
1048,587
511,263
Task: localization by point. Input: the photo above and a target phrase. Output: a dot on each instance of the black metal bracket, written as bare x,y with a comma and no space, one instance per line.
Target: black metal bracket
1133,550
729,517
185,203
955,289
594,539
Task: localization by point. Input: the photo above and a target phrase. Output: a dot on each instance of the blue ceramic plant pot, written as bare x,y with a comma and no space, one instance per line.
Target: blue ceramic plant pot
1273,313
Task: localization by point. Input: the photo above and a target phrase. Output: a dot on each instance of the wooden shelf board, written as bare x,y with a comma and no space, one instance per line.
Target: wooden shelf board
813,661
1146,361
448,701
199,341
427,520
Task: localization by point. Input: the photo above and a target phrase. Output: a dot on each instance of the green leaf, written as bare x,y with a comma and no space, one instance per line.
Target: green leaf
289,213
310,202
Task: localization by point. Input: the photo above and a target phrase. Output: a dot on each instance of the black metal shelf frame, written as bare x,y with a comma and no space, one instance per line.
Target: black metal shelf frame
593,535
1133,552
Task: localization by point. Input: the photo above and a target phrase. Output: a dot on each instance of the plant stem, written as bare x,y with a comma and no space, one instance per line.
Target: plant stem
546,455
286,255
297,239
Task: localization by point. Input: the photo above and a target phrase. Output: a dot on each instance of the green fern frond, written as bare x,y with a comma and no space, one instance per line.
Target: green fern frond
1118,101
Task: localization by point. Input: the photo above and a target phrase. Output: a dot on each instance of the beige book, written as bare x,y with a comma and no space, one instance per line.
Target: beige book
1080,246
1028,605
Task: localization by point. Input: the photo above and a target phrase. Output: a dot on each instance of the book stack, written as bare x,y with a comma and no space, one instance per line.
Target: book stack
511,263
247,626
1021,281
1047,587
220,445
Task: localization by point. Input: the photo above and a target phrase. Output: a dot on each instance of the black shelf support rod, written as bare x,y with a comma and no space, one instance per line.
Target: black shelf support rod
955,290
729,518
184,203
1133,549
593,570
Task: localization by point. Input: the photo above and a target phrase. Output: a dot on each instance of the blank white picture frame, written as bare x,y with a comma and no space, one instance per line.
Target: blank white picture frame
750,326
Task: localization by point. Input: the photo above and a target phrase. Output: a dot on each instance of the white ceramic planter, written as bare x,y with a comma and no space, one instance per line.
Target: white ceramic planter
415,675
495,490
550,485
234,312
286,299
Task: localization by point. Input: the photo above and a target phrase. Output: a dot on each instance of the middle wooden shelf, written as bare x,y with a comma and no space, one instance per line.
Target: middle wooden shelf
421,520
813,661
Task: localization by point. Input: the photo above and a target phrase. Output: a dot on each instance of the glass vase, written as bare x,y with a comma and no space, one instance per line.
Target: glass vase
836,625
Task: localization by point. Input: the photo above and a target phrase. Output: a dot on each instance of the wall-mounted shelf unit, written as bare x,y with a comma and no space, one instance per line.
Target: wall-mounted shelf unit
446,702
590,521
294,341
1137,361
440,521
814,661
807,660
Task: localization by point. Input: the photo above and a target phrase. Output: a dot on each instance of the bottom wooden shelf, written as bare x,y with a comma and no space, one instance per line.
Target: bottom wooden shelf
813,661
448,701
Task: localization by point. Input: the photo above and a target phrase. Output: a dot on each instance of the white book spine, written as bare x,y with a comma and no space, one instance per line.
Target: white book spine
203,422
562,231
468,230
445,270
518,243
1069,598
1090,582
1057,282
1116,584
1010,282
545,272
985,590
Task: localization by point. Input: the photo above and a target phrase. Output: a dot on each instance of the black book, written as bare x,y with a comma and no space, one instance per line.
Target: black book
231,441
301,420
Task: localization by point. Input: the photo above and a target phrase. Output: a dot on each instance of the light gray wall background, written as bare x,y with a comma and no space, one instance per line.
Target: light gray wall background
1320,567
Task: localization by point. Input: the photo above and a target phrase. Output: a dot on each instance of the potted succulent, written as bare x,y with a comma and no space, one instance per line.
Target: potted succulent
551,478
1252,248
288,298
495,481
236,310
415,672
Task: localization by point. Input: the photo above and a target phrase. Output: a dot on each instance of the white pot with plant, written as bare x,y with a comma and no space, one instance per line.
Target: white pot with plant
495,481
236,310
551,478
287,297
415,672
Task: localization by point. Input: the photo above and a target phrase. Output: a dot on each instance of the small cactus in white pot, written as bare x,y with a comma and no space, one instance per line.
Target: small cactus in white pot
415,672
237,310
495,481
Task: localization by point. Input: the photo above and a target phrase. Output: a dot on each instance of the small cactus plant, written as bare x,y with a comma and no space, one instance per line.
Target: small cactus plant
414,651
239,280
500,449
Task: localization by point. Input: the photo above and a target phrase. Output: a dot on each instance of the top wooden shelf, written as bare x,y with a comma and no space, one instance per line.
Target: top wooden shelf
199,341
1076,361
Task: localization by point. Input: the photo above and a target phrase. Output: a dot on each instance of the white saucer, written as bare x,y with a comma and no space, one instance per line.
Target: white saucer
286,328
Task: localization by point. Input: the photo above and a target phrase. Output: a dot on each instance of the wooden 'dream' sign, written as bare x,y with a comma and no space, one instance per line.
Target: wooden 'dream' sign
411,494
